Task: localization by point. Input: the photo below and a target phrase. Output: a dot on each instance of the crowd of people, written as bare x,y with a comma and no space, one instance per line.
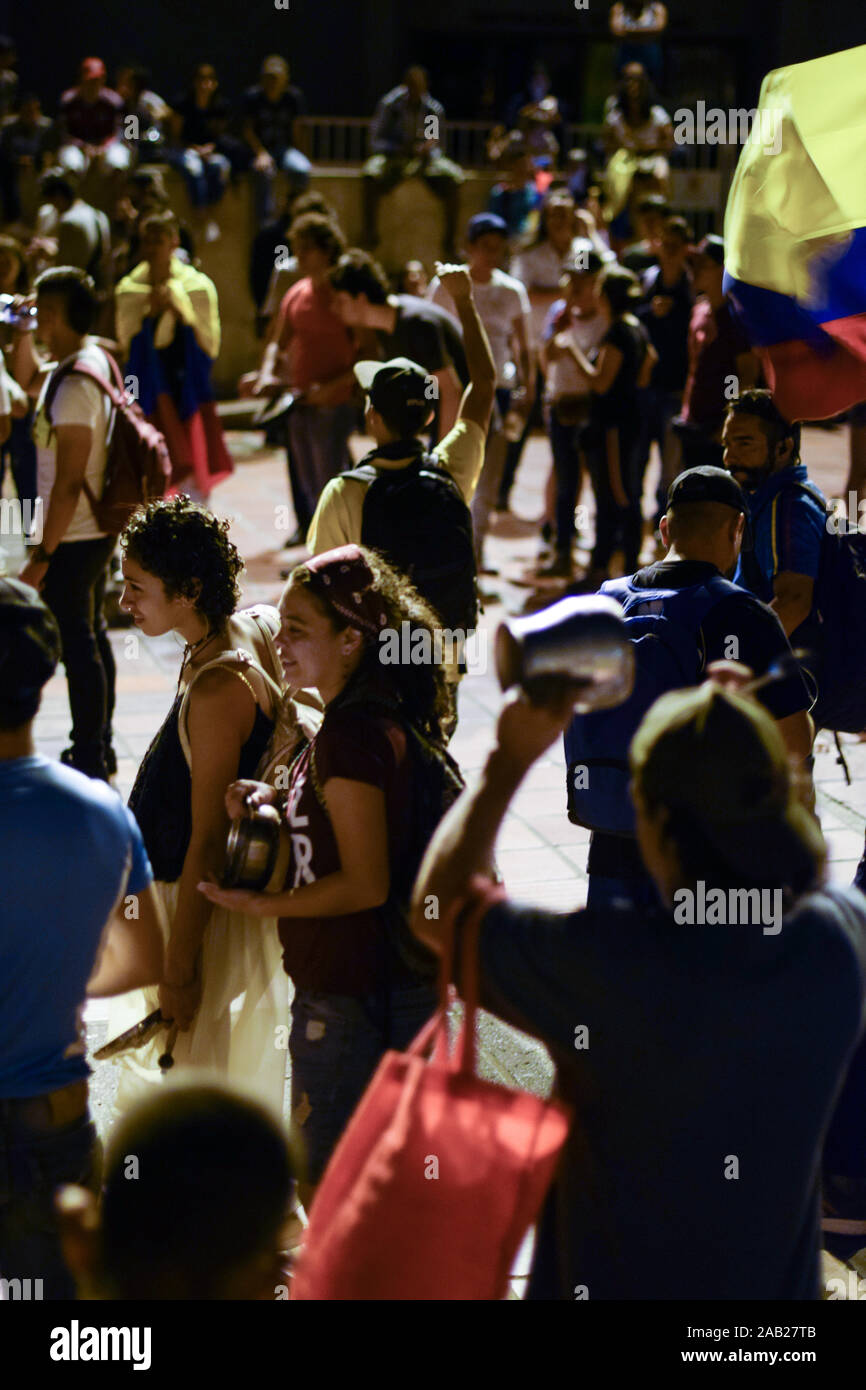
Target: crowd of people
582,311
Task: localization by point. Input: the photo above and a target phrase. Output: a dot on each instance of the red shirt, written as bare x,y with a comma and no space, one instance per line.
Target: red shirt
715,342
344,955
92,122
318,341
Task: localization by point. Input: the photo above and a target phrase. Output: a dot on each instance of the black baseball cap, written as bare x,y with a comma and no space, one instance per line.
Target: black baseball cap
29,650
398,389
707,484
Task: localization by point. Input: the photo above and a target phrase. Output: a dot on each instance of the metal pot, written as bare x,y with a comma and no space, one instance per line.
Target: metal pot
257,852
580,641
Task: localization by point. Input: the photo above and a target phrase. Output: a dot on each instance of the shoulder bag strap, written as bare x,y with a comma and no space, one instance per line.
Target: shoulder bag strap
235,661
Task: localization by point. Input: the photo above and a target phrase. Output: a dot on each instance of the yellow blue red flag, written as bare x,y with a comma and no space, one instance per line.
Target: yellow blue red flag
795,235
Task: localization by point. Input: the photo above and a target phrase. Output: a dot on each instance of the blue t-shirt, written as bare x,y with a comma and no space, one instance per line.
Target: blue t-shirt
68,849
514,205
704,1045
788,529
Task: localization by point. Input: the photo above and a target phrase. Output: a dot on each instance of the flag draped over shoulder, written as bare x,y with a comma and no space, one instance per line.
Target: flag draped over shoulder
190,424
795,235
170,357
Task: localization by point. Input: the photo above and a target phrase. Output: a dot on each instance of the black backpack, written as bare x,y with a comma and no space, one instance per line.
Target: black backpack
417,519
438,782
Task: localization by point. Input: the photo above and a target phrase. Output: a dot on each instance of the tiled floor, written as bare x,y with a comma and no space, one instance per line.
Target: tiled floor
542,856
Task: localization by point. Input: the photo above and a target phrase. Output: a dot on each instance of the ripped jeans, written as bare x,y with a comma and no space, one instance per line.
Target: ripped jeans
336,1044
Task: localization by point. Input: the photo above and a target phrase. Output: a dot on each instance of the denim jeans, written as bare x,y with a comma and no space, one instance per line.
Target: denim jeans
74,590
206,175
318,442
615,452
567,453
382,172
490,478
336,1044
34,1161
658,409
19,452
288,161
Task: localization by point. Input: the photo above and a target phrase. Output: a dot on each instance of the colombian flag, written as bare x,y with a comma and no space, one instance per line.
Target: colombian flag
795,235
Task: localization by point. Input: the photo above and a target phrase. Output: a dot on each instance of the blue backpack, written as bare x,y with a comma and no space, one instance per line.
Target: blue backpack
665,627
839,604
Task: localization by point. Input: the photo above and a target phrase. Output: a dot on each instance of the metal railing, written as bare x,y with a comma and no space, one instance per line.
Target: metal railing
344,140
334,140
700,173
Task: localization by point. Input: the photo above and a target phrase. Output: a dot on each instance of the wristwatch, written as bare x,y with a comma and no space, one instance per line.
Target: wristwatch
41,555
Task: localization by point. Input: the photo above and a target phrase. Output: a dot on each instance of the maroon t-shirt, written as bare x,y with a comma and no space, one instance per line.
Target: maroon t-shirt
93,122
348,954
716,340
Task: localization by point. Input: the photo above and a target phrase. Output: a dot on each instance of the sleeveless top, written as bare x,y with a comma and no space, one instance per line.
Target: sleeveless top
161,799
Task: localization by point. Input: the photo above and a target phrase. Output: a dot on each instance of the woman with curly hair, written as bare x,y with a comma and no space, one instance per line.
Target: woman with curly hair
362,801
222,985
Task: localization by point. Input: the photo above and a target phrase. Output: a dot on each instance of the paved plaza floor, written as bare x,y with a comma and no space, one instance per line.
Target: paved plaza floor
542,856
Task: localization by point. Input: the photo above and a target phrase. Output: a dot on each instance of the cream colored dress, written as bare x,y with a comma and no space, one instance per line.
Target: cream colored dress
240,1029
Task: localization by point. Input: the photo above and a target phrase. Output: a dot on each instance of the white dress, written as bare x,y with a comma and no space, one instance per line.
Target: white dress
240,1030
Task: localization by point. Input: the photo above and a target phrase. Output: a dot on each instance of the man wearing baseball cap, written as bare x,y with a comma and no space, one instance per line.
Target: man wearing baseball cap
721,362
702,1044
697,608
503,306
79,917
90,119
400,399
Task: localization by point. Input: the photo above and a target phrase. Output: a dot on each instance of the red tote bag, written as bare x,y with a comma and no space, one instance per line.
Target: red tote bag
438,1175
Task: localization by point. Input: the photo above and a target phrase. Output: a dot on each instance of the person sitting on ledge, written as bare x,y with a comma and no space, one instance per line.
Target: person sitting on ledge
404,136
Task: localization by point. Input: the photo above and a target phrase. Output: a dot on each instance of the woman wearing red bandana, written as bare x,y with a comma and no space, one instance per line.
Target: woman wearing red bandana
362,801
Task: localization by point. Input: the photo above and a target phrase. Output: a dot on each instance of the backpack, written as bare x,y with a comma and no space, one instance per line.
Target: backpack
665,627
417,519
437,783
137,463
839,603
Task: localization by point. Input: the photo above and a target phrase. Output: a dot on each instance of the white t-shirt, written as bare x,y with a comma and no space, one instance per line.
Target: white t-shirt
78,402
564,377
499,301
540,269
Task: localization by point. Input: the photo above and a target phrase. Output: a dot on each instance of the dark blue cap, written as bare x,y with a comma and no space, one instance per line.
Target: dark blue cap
484,222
